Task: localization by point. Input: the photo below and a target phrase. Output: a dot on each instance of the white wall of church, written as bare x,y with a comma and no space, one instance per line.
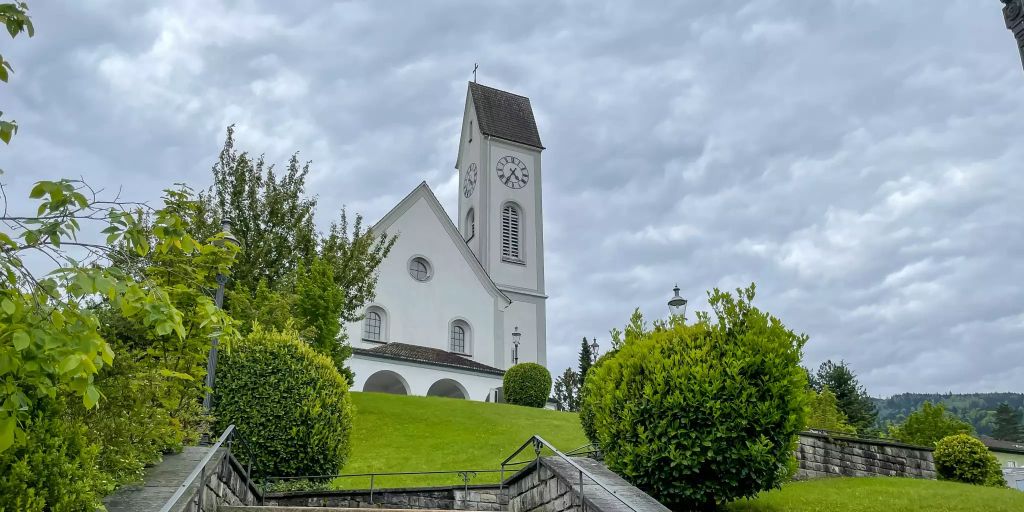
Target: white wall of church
418,379
420,313
527,275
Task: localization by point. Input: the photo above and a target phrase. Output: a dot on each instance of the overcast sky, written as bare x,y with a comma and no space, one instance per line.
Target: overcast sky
859,160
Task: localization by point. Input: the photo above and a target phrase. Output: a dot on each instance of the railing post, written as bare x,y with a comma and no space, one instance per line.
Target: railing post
501,488
202,484
371,489
583,499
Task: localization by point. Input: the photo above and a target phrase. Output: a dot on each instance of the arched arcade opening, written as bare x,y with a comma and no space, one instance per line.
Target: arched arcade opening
386,381
447,388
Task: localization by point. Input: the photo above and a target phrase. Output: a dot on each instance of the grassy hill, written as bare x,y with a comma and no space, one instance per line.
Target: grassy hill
882,495
407,433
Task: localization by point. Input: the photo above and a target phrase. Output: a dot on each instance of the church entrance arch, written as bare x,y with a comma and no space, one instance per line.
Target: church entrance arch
386,381
447,388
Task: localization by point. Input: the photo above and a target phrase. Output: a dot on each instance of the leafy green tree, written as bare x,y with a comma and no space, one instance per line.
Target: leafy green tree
1008,424
273,221
270,217
928,425
853,400
319,304
823,413
15,18
50,340
586,359
566,391
699,415
356,253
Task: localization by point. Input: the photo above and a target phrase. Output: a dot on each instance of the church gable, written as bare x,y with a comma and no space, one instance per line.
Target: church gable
422,195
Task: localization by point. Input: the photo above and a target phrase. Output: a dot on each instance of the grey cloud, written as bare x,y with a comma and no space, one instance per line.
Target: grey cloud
858,160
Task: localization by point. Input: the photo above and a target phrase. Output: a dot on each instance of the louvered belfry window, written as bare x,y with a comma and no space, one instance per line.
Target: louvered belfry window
510,233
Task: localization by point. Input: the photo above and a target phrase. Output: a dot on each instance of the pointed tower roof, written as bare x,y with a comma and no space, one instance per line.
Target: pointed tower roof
505,115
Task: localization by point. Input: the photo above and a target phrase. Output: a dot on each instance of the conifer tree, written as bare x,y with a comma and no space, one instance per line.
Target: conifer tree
852,398
1008,424
586,359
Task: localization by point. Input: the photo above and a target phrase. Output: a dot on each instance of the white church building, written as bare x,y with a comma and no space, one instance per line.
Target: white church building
457,305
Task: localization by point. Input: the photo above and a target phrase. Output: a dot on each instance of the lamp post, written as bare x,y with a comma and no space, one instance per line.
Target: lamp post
593,350
211,358
1013,14
677,304
515,345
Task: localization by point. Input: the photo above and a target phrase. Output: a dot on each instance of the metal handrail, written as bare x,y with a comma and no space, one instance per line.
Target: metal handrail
539,444
200,470
465,474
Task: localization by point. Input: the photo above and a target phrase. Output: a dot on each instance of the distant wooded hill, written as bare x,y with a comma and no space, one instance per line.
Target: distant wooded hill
976,408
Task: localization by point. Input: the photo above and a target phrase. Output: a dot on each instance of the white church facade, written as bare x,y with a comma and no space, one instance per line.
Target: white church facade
458,303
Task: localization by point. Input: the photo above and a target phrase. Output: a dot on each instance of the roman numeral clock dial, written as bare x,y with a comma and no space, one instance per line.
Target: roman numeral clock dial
469,183
512,172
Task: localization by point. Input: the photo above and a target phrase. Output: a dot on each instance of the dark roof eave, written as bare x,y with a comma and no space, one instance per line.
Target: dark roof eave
520,142
371,353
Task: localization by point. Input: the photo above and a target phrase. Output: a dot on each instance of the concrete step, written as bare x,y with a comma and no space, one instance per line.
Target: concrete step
274,508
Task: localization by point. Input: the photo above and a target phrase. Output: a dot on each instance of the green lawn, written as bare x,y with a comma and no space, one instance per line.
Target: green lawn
882,495
409,433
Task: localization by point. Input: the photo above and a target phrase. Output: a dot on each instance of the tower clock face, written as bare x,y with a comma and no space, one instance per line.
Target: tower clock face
469,182
512,172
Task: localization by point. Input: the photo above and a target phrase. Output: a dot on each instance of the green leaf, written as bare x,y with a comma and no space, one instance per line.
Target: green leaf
21,340
8,306
38,190
91,397
176,375
69,363
7,426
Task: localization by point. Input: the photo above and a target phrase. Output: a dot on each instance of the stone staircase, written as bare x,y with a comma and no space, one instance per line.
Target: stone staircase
277,508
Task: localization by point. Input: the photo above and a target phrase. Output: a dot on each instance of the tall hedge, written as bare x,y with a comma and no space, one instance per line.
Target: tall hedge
288,401
699,415
527,384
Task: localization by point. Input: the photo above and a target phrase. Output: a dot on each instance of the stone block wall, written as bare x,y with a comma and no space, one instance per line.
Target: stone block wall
476,497
223,485
820,455
541,490
552,484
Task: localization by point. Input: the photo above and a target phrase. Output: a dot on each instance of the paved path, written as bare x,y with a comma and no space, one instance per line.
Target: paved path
159,483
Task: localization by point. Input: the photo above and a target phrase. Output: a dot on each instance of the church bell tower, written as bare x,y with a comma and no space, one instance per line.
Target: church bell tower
500,209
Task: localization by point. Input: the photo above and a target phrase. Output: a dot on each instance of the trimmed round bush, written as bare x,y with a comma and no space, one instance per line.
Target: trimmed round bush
288,401
962,458
527,384
699,415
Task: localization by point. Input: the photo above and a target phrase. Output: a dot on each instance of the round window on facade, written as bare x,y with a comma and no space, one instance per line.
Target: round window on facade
419,269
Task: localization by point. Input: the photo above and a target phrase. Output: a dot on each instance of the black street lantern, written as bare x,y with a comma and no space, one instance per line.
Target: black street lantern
515,345
1013,14
211,358
593,350
677,304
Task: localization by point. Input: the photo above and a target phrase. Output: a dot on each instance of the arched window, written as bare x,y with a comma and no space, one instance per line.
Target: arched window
470,224
375,325
460,337
511,233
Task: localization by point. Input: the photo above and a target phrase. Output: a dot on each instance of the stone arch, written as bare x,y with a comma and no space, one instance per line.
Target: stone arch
448,388
386,381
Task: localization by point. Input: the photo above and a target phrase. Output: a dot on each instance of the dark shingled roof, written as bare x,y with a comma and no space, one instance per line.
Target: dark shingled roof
426,355
505,115
1002,446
